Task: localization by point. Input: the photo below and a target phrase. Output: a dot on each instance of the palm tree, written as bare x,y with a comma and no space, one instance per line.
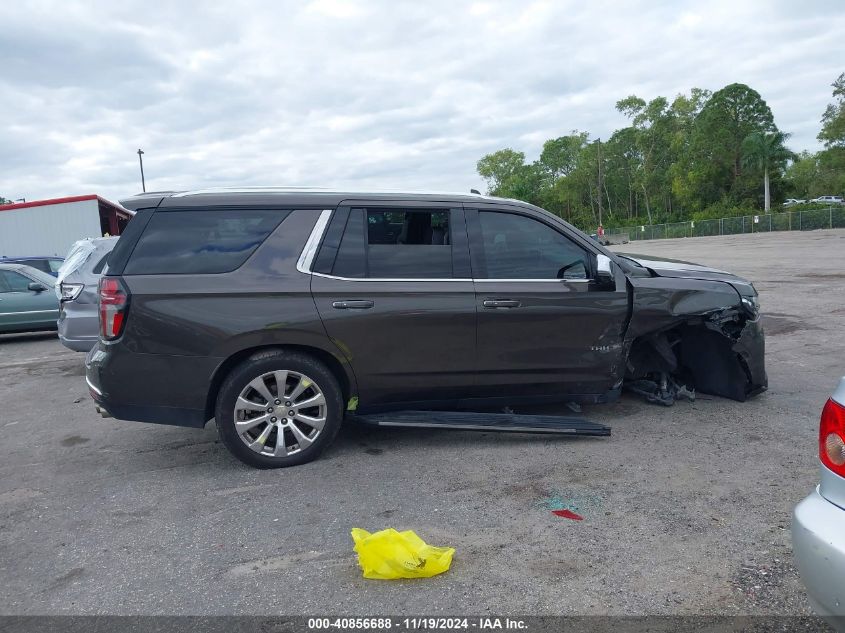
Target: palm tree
766,152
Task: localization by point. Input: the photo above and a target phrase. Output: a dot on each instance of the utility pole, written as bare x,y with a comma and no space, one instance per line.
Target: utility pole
600,184
141,160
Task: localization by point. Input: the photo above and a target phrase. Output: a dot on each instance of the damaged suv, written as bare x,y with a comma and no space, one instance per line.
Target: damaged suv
275,311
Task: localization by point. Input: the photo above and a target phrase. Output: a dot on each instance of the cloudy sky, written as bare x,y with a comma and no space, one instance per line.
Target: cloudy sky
379,93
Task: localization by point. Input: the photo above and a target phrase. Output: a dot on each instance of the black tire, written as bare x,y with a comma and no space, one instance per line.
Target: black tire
258,365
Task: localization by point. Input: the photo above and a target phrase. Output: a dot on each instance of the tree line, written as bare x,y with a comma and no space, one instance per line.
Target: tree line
702,155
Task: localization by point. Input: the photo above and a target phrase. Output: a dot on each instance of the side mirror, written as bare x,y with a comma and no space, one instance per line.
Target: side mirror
34,286
604,269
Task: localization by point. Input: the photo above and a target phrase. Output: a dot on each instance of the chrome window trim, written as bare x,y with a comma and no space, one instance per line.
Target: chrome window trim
556,281
306,258
389,278
412,279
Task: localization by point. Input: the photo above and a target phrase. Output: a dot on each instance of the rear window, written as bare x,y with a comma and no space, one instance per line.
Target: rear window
198,242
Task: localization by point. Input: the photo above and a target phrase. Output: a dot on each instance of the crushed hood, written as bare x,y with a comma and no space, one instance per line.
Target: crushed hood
676,268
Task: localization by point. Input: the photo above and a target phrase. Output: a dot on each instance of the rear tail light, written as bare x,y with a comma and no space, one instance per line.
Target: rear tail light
114,303
69,292
832,437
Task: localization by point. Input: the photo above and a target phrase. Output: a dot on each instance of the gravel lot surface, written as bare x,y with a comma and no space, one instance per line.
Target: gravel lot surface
686,509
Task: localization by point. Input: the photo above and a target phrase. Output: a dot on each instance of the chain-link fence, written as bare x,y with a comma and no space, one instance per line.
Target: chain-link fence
832,217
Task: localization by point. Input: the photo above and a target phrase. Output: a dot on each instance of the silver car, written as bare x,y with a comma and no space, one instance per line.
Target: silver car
77,290
818,525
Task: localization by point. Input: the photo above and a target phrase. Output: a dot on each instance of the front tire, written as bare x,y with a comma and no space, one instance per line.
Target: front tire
279,409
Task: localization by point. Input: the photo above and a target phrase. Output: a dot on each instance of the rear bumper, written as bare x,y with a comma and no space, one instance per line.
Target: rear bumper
818,541
78,345
161,389
78,332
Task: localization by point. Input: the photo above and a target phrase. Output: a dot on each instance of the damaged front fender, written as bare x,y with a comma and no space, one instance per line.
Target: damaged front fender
690,335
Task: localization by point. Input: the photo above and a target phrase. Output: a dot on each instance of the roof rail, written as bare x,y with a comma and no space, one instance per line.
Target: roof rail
326,190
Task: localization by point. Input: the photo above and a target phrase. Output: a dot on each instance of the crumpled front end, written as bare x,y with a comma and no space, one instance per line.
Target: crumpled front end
689,336
726,355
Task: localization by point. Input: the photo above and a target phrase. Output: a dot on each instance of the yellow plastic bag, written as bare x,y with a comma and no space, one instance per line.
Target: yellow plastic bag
389,554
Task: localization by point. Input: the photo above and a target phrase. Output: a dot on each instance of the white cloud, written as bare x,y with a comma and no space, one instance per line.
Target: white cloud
335,8
368,94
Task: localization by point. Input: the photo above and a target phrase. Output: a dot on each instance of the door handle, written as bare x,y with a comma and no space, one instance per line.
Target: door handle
355,304
501,303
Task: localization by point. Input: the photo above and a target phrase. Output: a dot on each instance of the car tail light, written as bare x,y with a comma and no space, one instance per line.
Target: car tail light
832,437
69,292
114,303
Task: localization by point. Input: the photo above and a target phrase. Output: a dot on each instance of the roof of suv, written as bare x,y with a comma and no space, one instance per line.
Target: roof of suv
304,196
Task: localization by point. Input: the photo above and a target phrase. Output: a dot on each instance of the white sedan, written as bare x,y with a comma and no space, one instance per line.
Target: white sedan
818,525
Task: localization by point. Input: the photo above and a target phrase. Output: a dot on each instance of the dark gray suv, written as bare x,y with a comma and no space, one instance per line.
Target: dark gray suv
275,311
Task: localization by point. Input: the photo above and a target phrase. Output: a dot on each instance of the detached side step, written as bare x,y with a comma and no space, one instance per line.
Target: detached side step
471,421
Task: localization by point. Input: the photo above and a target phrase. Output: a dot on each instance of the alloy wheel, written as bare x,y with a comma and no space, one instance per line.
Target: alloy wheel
280,413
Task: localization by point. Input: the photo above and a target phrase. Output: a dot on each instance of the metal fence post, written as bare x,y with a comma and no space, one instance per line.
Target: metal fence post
830,222
800,220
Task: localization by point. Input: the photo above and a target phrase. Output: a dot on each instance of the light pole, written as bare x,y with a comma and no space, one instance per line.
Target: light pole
598,140
141,161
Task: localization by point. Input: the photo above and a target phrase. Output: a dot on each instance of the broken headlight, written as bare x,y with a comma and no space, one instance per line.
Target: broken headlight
752,304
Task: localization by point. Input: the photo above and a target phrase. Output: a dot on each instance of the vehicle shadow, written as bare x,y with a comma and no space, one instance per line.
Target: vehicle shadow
170,447
202,450
28,336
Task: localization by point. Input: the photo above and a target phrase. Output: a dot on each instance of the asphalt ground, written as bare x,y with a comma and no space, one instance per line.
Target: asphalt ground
686,509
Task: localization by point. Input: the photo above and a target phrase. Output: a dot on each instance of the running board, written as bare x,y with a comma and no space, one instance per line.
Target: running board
499,422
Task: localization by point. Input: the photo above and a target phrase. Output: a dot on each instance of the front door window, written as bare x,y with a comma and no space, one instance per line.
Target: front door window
519,247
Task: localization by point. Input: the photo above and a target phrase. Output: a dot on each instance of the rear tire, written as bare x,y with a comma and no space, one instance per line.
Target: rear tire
278,409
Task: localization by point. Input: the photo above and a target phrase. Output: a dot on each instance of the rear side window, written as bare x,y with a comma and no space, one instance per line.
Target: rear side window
351,258
408,244
201,241
394,243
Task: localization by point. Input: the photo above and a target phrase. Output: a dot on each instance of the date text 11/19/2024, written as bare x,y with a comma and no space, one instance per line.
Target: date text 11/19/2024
416,624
